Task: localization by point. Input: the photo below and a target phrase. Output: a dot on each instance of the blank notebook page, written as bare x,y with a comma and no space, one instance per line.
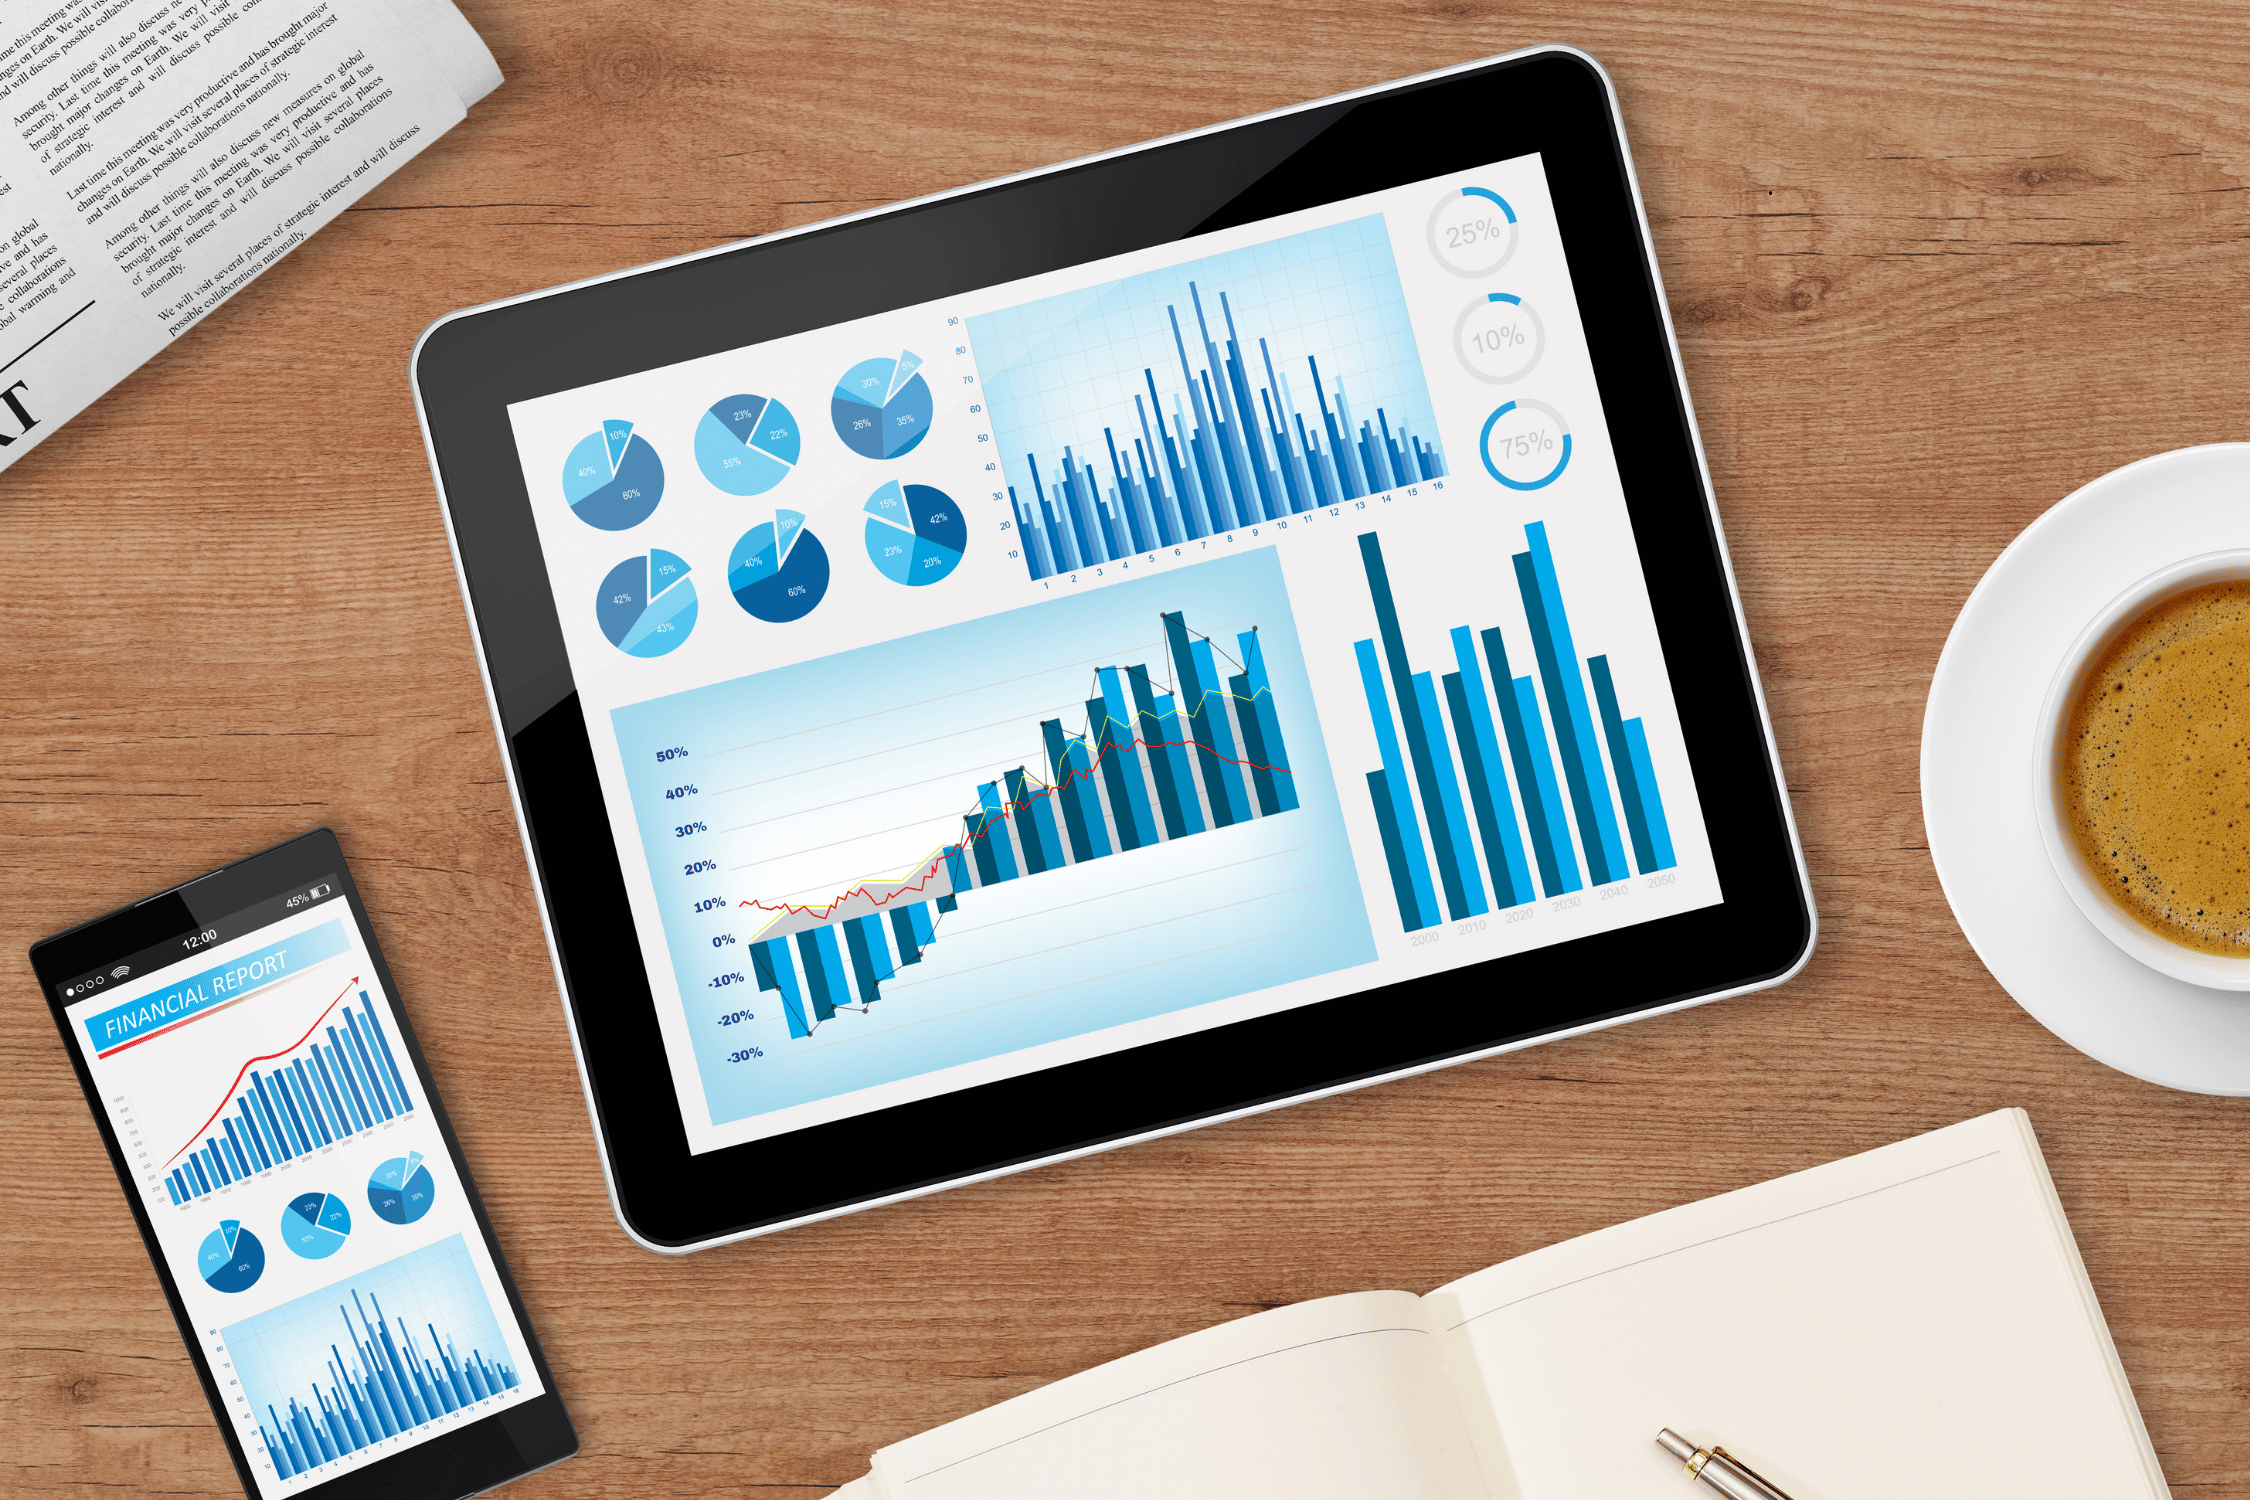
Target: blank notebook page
1914,1320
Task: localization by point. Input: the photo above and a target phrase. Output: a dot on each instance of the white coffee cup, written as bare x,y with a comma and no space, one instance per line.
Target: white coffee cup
2048,775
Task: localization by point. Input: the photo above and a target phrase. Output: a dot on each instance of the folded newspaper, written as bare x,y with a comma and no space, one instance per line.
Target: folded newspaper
161,153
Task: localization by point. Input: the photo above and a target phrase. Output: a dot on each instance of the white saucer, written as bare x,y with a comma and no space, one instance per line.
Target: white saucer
1976,768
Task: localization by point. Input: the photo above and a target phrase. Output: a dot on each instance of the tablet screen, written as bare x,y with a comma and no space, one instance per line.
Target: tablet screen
1108,655
300,1189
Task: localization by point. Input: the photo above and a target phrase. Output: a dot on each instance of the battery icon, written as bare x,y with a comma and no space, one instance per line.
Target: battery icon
319,891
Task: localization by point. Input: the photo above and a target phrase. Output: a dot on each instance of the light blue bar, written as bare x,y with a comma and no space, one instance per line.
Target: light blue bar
1174,737
1125,748
171,1187
1652,802
1550,795
1511,851
1449,796
369,1074
1219,726
202,1178
242,1167
253,1134
996,831
1394,777
924,932
1574,699
1269,722
383,1045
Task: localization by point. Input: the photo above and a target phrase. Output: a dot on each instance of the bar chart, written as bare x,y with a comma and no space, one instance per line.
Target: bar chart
1192,400
334,1372
1003,832
1163,755
1560,781
306,1097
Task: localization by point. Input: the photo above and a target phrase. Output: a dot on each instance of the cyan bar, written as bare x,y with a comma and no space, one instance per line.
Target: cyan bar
777,971
1163,759
1123,761
1652,804
1449,795
293,1112
902,933
1394,851
957,868
1218,726
1245,705
1535,774
330,1092
244,1166
1269,720
252,1133
276,1136
1073,763
1566,695
822,971
1621,760
996,831
925,929
172,1188
980,849
1196,700
1419,735
1173,736
1496,814
1394,782
1035,822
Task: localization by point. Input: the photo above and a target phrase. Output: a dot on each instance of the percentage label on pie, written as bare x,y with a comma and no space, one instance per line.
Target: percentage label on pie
1525,445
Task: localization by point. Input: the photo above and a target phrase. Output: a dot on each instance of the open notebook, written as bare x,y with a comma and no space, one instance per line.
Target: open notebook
1914,1318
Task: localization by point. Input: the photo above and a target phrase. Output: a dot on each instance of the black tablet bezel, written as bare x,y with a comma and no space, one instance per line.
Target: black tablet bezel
506,1445
472,365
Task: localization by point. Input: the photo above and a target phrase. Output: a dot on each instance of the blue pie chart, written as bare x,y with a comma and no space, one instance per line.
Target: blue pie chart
646,606
915,534
231,1258
316,1225
882,407
747,444
402,1189
613,478
779,570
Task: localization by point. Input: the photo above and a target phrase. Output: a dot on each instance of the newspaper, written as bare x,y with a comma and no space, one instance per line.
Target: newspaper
156,155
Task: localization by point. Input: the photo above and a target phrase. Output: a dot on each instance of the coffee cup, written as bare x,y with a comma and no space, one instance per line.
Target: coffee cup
2050,774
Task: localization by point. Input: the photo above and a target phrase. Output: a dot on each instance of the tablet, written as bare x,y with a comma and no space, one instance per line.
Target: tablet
299,1187
1113,648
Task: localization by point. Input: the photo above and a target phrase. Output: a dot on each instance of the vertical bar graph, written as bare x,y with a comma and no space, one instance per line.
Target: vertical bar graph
1150,766
1425,821
1206,397
336,1371
293,1104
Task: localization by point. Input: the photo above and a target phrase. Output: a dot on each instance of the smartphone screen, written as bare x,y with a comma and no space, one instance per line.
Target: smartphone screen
300,1187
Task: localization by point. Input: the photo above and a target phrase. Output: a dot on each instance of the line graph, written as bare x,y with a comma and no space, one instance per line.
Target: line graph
1013,806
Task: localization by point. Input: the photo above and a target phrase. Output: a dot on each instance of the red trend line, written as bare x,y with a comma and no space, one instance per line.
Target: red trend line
916,887
269,1057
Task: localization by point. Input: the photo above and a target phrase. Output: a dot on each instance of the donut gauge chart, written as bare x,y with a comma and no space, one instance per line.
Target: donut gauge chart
315,1225
778,571
915,534
1525,444
401,1190
882,407
231,1258
646,605
613,478
747,444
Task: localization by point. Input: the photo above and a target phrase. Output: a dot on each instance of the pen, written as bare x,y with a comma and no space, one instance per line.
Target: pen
1713,1466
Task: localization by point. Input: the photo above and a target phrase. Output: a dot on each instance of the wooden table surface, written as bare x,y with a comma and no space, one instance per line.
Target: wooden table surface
1932,268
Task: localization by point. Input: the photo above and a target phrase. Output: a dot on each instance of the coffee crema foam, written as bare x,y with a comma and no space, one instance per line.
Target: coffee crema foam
2156,769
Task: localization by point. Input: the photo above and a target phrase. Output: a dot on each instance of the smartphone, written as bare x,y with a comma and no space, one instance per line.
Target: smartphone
298,1184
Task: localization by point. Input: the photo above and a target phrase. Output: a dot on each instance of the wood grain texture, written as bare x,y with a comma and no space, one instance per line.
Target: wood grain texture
1933,268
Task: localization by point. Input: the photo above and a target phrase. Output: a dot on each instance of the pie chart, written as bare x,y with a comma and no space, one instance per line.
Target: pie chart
231,1259
401,1190
646,605
779,570
316,1225
613,478
746,444
916,534
882,407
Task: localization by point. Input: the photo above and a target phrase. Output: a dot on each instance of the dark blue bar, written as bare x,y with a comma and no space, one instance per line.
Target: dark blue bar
819,966
996,831
1196,697
1488,783
1566,702
1659,831
1424,904
947,903
902,933
1035,824
1621,761
1276,753
309,1101
866,974
1117,744
202,1178
372,1067
398,1077
1418,734
1535,773
1149,729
